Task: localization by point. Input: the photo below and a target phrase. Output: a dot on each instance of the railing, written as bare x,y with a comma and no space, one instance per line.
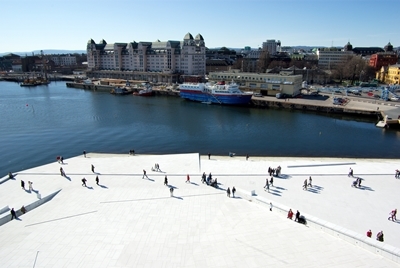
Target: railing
215,98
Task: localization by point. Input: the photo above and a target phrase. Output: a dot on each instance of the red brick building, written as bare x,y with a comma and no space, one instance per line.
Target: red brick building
386,58
382,59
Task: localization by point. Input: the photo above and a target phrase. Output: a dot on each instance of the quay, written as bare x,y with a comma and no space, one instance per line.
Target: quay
128,220
323,103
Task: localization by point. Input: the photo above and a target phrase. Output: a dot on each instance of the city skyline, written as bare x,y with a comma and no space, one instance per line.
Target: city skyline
45,24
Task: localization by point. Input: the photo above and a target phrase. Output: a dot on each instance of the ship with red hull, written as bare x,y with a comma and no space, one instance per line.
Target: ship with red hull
147,91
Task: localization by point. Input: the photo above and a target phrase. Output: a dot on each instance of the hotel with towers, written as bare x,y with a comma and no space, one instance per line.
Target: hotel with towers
154,61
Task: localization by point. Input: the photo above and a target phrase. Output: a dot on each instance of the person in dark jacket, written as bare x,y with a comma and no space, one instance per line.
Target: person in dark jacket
297,216
13,214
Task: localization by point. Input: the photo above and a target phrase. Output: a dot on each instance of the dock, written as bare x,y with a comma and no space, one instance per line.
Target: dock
323,103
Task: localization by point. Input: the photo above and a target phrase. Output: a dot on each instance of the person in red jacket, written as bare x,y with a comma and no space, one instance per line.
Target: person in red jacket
290,214
369,233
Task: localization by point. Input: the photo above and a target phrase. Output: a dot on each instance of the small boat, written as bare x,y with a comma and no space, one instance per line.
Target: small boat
28,84
146,92
33,82
88,81
121,91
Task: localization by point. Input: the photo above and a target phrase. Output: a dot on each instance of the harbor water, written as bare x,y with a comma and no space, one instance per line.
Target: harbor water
40,123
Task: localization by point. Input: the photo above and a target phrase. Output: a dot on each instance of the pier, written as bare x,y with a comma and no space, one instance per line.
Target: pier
323,103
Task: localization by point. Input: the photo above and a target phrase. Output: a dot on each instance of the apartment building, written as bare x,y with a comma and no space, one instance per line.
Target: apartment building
186,57
272,46
389,74
382,59
64,60
327,58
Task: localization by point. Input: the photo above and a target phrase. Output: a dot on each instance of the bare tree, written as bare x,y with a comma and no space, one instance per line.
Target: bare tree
263,61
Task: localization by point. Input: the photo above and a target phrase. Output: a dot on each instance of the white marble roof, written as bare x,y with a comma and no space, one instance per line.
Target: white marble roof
128,221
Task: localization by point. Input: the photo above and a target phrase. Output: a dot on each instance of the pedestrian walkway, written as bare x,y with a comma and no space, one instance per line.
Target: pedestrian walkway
127,221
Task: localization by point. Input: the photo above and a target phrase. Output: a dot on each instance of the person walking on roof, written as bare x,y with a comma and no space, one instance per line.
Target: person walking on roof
393,215
297,216
369,233
350,172
13,214
305,184
379,236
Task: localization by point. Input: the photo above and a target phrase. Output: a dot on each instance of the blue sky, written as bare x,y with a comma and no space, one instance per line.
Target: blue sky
29,25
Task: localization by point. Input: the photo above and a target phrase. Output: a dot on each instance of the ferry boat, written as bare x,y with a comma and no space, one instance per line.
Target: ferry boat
219,93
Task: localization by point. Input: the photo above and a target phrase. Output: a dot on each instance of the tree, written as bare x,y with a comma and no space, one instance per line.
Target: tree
224,51
339,71
298,63
238,63
350,69
263,61
275,64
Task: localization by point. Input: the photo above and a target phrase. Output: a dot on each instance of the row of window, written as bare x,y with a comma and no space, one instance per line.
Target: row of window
269,80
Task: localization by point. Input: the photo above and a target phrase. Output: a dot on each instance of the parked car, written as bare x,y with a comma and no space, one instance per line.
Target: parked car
394,99
282,96
338,101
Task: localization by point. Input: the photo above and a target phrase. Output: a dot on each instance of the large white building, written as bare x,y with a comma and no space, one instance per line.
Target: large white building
64,60
186,57
329,58
272,46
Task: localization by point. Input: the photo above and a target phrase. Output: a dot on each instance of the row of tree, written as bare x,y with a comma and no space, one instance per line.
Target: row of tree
353,68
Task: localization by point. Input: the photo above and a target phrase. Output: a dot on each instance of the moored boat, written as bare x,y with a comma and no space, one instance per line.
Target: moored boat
121,91
33,82
146,91
219,93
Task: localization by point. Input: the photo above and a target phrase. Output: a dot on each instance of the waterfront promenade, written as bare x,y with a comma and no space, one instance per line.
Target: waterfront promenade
127,221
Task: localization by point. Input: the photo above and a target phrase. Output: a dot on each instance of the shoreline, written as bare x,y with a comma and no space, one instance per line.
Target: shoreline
354,106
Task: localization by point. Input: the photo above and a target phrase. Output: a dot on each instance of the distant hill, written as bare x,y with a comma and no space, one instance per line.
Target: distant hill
45,51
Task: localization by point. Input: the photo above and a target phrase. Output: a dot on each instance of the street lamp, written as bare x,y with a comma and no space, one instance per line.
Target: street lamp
361,74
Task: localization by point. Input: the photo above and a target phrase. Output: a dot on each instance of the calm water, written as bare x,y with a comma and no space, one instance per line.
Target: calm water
37,124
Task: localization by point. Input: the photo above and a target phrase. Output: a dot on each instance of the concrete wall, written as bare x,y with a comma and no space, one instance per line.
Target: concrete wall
4,210
29,207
